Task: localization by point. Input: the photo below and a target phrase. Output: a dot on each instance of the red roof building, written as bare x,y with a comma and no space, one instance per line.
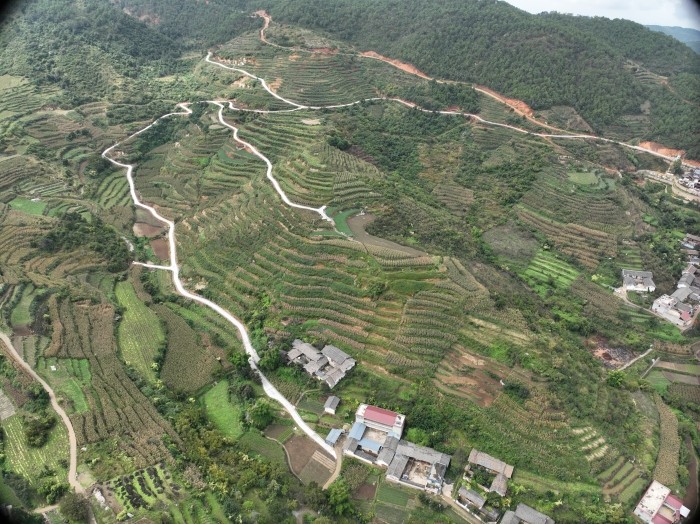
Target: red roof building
381,419
659,506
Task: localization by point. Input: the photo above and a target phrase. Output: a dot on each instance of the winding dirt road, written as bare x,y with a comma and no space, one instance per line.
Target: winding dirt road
174,267
518,106
73,459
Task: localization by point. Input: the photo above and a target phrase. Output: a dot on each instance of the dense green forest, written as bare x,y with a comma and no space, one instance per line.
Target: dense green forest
546,60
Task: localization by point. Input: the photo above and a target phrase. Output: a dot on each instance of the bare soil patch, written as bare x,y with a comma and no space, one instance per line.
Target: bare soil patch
160,248
241,83
612,358
357,225
300,450
659,148
311,121
142,229
365,492
276,84
21,331
519,106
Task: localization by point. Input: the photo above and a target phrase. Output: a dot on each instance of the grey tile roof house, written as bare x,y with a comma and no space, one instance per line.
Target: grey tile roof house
502,470
638,280
469,497
328,365
524,514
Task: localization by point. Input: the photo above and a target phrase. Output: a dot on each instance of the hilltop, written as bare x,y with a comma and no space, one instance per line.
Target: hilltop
690,37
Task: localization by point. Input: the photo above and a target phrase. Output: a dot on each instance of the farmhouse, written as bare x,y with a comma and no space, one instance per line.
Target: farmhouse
659,506
418,467
640,281
328,365
381,419
673,310
502,470
331,405
524,514
375,435
375,438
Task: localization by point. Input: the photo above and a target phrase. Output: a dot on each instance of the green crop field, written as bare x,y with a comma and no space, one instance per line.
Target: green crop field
20,315
225,414
140,333
546,268
28,461
392,495
255,442
584,178
69,379
31,207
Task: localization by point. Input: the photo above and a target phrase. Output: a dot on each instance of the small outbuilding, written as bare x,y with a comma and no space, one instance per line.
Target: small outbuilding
333,436
331,405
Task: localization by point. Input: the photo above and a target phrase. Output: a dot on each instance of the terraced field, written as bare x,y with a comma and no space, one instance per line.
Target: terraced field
117,408
546,268
29,462
446,321
140,333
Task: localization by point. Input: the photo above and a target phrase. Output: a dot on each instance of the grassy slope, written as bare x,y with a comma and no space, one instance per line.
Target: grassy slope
140,332
225,414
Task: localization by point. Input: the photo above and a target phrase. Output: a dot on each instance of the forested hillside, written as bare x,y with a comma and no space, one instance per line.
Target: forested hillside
690,37
548,60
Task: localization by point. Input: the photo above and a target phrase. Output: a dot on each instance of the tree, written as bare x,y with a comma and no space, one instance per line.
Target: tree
75,507
339,497
260,414
616,378
314,496
676,167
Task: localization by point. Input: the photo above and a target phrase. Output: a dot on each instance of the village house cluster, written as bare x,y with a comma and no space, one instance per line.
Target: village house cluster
375,438
681,307
328,365
691,180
